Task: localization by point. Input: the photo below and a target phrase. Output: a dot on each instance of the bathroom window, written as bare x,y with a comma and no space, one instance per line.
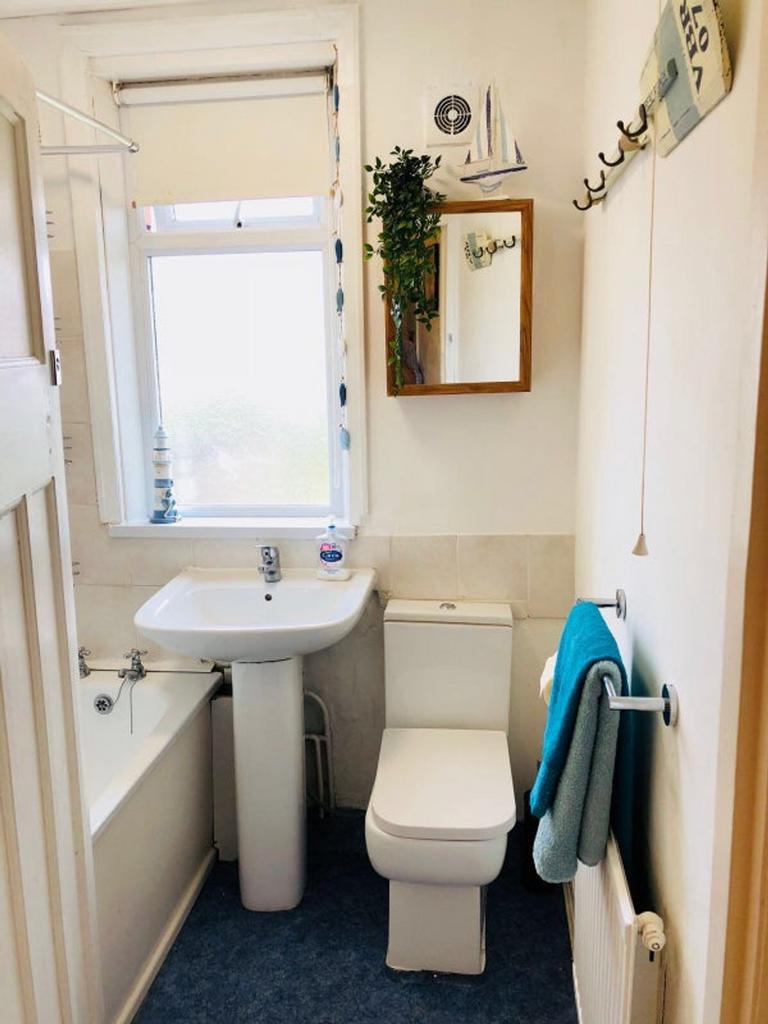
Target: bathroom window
239,364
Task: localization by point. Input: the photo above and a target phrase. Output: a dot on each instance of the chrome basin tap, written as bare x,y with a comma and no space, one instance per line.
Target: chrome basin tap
137,670
269,567
82,654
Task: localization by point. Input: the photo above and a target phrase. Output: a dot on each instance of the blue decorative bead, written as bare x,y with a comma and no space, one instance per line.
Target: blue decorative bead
345,439
339,250
342,394
337,148
336,97
339,300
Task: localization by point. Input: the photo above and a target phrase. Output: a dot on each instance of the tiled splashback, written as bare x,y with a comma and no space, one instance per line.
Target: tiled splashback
534,574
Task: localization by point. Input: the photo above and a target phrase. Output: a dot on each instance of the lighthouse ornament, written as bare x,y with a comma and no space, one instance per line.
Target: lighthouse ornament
164,508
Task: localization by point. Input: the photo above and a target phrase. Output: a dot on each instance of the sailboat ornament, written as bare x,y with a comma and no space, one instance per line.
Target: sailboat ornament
494,153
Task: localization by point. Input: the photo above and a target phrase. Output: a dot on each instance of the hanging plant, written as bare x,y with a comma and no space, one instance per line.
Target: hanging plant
410,216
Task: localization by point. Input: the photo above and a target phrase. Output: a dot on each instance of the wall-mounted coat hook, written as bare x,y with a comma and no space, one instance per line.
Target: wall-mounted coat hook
584,209
612,163
634,134
594,189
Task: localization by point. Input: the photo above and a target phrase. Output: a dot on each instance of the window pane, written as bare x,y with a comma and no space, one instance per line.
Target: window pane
284,208
186,212
242,366
251,210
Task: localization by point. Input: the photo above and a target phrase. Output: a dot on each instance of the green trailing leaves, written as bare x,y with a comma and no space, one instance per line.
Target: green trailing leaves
409,212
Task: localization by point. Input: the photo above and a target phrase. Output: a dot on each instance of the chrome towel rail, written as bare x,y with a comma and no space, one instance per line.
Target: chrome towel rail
619,603
667,703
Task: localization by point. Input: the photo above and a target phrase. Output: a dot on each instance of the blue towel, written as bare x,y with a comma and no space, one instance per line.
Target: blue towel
585,640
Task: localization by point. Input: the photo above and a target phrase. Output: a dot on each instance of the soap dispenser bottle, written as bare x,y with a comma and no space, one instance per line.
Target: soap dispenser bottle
332,555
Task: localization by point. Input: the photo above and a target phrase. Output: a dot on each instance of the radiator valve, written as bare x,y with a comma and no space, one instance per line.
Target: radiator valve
650,928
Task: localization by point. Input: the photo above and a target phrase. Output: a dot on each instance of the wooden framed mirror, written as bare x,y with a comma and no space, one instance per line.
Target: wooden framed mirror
480,340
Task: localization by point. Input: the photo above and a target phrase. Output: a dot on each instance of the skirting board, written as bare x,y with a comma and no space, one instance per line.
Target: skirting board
154,961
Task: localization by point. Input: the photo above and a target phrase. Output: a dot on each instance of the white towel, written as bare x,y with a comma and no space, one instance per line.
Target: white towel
547,678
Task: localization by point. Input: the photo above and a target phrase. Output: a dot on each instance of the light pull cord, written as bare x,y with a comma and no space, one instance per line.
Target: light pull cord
641,547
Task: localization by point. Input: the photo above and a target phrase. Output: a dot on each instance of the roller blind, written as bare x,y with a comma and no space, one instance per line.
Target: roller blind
228,148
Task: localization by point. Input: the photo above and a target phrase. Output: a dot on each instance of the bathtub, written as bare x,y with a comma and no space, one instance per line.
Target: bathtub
150,804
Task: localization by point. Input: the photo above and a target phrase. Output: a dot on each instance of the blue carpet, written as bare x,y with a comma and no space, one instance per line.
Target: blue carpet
323,963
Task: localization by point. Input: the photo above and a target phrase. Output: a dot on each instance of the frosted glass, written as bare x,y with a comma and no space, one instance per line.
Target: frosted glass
280,208
242,371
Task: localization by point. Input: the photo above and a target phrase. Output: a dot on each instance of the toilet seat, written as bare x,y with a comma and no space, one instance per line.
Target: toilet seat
433,861
444,784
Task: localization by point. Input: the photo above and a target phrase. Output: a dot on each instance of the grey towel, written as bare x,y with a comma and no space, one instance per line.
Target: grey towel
576,825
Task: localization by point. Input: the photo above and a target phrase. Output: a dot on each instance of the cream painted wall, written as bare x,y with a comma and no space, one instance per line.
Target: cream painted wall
466,463
708,226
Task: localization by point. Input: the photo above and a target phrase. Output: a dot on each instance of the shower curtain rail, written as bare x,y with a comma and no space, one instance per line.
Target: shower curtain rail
121,142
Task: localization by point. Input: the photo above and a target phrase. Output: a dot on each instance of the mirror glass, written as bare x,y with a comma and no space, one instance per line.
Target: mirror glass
480,339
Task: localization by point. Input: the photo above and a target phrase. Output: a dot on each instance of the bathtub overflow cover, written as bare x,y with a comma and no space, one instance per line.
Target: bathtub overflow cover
103,703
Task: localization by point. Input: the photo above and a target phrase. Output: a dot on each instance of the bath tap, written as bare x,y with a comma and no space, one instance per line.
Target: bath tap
82,654
137,670
270,563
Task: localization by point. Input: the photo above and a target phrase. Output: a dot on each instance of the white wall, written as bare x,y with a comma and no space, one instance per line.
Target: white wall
466,463
708,224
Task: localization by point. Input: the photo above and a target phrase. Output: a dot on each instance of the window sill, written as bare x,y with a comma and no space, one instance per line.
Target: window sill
295,528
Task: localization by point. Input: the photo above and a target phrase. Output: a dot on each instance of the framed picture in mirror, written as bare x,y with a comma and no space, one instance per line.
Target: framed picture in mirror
480,339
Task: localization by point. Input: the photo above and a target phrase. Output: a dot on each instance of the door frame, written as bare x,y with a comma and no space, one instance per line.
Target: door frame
745,983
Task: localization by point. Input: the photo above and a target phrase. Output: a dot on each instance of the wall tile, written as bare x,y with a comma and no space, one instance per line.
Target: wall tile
80,474
493,568
102,559
297,554
424,567
225,554
153,562
74,384
534,641
350,678
373,553
105,617
66,292
550,576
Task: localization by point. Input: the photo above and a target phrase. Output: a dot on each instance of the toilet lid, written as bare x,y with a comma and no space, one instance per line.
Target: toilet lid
444,784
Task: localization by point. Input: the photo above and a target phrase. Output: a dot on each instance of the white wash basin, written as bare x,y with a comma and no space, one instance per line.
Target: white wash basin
233,615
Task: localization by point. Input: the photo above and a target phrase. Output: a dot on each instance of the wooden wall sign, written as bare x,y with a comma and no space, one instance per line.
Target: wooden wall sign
691,33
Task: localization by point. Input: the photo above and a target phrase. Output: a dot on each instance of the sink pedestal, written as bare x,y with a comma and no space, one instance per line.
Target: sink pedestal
268,706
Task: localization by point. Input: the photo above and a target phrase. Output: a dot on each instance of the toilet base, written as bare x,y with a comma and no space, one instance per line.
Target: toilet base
436,928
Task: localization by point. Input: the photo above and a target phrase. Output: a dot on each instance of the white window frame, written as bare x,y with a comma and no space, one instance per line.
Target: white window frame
99,48
287,235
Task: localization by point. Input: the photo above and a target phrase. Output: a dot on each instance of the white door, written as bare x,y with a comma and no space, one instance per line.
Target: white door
48,972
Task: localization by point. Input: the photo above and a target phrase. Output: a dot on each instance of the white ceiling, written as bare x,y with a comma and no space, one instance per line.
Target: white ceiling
29,8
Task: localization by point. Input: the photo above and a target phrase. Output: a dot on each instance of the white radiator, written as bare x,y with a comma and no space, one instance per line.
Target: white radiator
617,954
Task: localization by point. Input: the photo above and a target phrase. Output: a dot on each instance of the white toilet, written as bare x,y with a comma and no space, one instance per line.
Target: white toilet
443,802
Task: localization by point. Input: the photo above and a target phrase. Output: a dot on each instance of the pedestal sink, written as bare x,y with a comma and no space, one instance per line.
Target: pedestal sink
263,629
